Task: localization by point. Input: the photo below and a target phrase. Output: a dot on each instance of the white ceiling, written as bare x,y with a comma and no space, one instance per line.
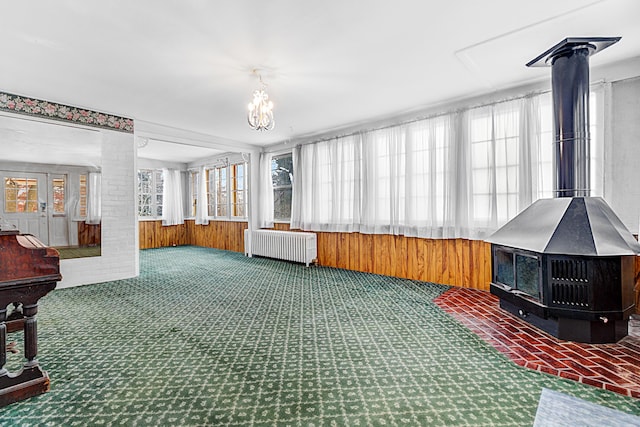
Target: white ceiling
328,64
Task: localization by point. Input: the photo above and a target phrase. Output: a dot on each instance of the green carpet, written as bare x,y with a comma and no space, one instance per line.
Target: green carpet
79,252
208,337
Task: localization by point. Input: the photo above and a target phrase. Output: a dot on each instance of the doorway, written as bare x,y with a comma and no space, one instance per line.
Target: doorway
24,203
57,211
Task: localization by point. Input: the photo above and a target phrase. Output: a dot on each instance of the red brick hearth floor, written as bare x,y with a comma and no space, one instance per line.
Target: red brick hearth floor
614,367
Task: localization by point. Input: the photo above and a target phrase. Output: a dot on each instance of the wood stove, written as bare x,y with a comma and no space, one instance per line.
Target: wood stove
566,265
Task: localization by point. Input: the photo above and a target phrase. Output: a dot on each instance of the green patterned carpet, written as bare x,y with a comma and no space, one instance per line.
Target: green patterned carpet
208,337
79,252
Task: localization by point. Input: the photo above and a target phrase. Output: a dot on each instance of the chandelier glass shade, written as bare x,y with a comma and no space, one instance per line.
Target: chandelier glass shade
260,115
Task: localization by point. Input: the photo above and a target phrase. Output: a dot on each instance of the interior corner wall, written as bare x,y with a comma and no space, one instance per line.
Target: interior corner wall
624,155
119,259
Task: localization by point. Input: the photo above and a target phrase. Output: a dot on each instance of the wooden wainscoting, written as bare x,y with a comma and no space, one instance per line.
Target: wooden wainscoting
89,234
227,235
154,235
457,262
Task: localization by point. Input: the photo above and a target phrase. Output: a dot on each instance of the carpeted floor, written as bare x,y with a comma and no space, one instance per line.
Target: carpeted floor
208,337
79,252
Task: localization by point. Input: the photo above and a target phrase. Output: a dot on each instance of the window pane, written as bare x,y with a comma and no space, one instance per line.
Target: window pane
193,191
150,187
21,195
144,181
282,203
58,195
282,170
158,182
281,178
236,198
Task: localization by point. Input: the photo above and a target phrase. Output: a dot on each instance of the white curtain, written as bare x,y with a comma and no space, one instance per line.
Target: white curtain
265,202
94,199
172,203
326,186
495,141
202,204
529,153
459,175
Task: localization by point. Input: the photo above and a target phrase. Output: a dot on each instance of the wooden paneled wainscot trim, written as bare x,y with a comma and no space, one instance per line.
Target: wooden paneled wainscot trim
227,235
89,234
456,262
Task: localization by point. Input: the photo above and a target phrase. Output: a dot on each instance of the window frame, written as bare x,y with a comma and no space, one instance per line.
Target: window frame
285,187
23,201
155,196
224,191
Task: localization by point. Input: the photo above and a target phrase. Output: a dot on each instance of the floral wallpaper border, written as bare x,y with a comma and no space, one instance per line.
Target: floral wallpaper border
51,110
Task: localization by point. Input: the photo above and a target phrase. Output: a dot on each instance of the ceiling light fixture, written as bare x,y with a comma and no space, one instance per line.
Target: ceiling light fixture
260,115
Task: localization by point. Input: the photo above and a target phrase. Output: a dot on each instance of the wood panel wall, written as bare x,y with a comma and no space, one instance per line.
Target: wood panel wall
227,235
89,234
154,235
456,262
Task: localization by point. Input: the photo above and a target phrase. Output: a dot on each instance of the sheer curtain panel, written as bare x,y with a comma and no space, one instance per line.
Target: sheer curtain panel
202,206
461,174
327,185
172,203
94,201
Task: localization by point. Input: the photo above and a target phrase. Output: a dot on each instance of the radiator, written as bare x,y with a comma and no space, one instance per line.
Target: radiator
285,245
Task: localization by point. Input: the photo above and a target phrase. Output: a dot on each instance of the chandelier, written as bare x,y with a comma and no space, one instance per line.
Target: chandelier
260,115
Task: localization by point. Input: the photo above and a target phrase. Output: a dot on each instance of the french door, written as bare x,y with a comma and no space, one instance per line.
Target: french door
24,203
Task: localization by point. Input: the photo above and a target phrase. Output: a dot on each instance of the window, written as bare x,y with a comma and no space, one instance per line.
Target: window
281,177
494,140
20,195
238,190
58,189
150,193
194,184
460,174
427,167
217,192
227,190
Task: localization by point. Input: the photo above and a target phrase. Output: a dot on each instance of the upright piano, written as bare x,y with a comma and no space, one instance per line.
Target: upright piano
28,271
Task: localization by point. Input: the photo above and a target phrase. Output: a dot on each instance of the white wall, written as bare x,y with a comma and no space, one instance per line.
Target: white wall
119,258
622,173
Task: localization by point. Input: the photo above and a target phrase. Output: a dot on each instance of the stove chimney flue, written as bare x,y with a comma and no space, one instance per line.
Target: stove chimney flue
569,61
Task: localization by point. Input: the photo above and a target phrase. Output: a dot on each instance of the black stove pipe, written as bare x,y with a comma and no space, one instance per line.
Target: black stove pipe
570,91
569,62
